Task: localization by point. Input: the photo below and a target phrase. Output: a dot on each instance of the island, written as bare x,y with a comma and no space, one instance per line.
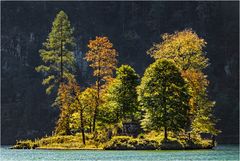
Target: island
165,109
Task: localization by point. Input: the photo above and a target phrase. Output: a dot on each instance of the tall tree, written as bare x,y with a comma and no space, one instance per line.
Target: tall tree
57,53
102,58
163,94
122,93
201,113
185,48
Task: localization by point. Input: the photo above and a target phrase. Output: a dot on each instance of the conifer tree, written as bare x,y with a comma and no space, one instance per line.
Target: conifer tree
57,53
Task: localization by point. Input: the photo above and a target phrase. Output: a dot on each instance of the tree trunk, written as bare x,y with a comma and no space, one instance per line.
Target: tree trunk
165,133
94,118
67,126
98,97
61,55
81,119
90,127
165,113
82,126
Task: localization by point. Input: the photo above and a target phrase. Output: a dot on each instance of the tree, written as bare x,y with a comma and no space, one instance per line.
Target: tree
57,54
88,99
122,93
201,108
102,58
71,101
163,95
185,48
64,101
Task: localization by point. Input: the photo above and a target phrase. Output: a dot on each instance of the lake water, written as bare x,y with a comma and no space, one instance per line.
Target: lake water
222,152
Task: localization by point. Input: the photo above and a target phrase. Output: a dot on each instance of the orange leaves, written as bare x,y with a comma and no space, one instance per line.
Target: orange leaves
102,57
197,80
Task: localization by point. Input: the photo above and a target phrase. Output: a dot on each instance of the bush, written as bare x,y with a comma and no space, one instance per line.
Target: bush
26,144
129,143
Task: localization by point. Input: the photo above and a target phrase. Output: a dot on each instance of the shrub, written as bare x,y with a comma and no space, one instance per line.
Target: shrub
129,143
26,144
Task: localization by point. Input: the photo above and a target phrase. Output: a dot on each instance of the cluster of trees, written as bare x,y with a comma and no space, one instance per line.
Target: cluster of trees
171,95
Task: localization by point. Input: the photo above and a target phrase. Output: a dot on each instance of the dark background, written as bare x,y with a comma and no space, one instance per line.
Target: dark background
132,27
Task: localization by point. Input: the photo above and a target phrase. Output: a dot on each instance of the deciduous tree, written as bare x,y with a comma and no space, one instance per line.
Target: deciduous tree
201,108
102,58
164,97
185,48
122,93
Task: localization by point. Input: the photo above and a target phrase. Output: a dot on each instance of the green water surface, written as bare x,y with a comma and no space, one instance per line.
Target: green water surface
222,152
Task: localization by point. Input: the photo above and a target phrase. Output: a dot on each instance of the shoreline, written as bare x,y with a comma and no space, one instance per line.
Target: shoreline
102,149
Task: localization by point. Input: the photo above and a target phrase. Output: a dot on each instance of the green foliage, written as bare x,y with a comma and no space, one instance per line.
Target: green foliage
204,121
122,95
185,48
25,144
164,97
88,100
57,53
129,143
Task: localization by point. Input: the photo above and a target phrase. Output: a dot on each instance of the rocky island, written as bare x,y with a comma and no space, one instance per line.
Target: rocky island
166,109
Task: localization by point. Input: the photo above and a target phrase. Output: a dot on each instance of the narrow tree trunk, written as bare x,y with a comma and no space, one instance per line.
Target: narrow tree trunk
98,95
165,133
94,118
82,126
90,126
165,113
81,120
67,126
61,55
61,63
97,104
213,140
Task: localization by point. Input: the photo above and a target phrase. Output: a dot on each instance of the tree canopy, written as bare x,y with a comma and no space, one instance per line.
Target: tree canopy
185,48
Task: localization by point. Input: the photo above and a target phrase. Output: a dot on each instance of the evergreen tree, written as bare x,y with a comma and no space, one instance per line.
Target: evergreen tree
102,58
57,53
164,97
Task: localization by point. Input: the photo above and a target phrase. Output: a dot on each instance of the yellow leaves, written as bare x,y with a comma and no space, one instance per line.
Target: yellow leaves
48,79
184,47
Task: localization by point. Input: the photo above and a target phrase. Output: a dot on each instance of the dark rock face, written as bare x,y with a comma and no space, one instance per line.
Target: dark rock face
131,129
132,27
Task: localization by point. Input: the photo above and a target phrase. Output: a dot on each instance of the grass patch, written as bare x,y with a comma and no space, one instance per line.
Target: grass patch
148,141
